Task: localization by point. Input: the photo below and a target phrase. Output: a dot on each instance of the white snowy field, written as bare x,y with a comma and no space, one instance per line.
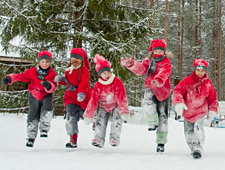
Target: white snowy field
136,150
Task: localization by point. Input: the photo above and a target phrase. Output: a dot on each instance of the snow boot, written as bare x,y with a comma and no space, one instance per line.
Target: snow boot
113,142
97,143
43,134
197,154
160,148
73,141
152,128
30,142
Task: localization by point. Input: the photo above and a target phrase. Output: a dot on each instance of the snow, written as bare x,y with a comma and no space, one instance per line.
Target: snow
135,152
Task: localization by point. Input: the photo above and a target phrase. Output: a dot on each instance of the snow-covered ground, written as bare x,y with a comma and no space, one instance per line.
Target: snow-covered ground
136,150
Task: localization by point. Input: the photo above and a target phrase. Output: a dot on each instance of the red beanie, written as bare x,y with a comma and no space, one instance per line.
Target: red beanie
200,64
158,44
44,55
80,54
101,64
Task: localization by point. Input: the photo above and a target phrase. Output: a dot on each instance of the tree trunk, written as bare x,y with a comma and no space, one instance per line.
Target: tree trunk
196,29
151,4
220,50
166,21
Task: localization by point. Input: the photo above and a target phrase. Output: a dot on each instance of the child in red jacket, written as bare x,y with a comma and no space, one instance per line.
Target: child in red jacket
40,96
109,96
157,69
78,92
195,97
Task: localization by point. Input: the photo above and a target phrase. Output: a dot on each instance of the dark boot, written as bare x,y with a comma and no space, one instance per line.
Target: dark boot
30,142
44,134
160,148
73,142
197,154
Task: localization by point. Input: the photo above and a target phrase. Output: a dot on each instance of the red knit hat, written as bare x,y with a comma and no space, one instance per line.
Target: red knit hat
44,55
200,64
101,64
158,44
80,54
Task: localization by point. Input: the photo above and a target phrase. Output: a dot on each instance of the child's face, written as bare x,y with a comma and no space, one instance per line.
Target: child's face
158,52
44,64
75,61
200,72
106,75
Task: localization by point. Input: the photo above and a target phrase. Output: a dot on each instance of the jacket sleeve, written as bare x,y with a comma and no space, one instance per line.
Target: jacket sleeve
138,68
164,72
92,104
179,92
84,81
212,99
122,98
20,77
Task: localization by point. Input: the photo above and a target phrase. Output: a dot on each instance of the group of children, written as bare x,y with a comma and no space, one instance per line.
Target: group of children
194,97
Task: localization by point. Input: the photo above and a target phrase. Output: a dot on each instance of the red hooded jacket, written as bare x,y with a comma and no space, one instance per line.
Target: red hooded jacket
108,94
35,87
162,72
198,94
83,86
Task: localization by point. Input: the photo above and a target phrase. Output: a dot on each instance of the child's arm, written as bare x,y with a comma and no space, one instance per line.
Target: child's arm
212,99
178,93
20,77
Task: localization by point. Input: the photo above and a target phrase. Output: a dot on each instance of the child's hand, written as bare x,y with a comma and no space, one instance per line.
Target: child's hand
46,84
127,62
87,120
58,78
80,97
124,117
179,108
6,80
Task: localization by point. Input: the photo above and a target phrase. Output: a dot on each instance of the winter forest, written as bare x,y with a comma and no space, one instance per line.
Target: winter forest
114,29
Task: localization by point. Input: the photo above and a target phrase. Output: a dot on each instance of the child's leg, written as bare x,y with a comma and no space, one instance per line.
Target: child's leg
189,133
116,127
162,130
149,107
33,117
46,115
199,134
102,118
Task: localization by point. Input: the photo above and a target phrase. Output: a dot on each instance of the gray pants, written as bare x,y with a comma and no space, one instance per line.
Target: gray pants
72,118
39,111
194,134
157,114
102,118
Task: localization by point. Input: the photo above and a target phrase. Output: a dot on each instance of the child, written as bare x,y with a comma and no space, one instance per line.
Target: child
78,92
157,69
40,96
109,93
195,97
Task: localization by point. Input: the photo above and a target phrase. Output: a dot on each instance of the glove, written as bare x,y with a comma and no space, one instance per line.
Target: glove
158,82
87,120
124,117
179,108
127,62
58,78
46,84
6,80
210,115
80,97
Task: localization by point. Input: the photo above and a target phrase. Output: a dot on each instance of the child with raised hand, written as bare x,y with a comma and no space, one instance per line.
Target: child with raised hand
109,100
77,94
157,68
40,96
195,97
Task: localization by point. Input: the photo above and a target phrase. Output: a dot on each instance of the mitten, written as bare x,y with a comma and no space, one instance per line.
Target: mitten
46,84
158,82
179,108
80,97
127,62
6,80
124,117
58,78
87,120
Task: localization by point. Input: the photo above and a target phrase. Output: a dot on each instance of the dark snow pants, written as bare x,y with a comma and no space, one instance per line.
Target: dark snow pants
72,118
102,118
157,114
39,111
194,134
